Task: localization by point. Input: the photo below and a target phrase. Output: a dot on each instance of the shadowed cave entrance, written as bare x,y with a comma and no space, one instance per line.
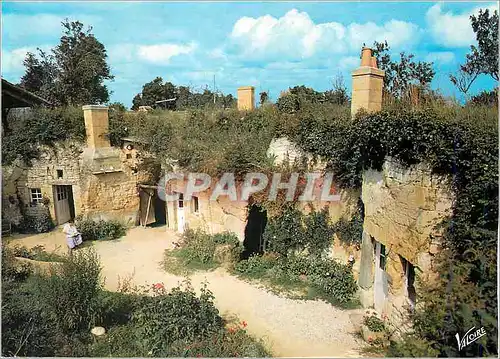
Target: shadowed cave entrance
254,231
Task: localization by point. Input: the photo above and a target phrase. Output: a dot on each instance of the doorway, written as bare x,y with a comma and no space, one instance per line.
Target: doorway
64,204
180,214
381,283
254,231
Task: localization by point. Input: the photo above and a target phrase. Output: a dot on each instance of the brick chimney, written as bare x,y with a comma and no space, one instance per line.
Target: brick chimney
367,84
246,98
96,126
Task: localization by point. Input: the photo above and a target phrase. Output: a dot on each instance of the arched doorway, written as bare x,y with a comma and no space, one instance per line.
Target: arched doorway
254,231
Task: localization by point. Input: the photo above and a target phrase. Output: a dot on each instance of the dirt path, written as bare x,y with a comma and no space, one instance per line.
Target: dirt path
291,328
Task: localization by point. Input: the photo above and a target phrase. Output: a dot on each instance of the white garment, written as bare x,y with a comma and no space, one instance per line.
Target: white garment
70,230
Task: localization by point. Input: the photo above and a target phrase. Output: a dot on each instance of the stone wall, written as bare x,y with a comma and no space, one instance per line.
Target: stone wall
402,208
104,195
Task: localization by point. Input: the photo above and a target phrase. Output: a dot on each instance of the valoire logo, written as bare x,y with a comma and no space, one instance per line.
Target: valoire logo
469,337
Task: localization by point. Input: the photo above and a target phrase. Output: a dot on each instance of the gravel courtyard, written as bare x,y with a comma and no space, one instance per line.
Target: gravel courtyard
290,328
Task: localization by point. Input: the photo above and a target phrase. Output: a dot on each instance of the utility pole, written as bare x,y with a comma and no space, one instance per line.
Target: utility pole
214,89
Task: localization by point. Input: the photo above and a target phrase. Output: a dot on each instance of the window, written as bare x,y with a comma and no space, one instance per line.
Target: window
383,259
181,200
196,205
409,273
36,195
59,174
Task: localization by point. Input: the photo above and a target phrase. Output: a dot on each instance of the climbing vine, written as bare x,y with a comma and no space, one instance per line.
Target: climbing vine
462,144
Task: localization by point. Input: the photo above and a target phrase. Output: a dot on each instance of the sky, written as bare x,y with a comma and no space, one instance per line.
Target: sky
269,45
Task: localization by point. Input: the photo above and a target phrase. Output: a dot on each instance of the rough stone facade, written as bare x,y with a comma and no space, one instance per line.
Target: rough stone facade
101,181
402,208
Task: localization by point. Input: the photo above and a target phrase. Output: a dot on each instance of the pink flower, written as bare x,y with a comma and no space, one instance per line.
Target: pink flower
370,339
244,324
158,286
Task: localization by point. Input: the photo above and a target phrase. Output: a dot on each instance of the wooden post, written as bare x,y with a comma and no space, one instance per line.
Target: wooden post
147,211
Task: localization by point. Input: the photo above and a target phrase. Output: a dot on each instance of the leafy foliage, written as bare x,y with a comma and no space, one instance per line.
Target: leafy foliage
71,291
28,130
374,323
350,231
180,314
36,253
73,73
100,230
461,143
400,75
182,97
39,223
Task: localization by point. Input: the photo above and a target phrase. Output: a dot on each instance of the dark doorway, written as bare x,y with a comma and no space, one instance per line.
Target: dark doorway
160,211
254,231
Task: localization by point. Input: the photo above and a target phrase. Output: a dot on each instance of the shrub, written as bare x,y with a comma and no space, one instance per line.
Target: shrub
199,246
27,328
333,279
285,233
288,103
178,315
71,291
40,223
256,266
412,347
350,232
100,230
318,232
226,238
374,324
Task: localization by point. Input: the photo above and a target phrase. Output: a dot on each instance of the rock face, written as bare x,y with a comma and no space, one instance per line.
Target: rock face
402,206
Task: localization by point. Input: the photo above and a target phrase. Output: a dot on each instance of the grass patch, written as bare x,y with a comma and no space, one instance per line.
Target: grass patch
180,262
281,276
201,252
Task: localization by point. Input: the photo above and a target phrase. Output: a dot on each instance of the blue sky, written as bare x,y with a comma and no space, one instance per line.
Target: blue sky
268,45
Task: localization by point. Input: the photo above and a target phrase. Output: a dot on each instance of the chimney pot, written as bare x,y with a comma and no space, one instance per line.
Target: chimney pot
366,55
374,62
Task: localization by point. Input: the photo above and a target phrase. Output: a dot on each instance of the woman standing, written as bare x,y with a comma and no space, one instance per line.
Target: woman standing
73,237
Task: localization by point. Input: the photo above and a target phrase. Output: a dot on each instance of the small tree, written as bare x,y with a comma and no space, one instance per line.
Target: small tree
264,97
399,76
73,73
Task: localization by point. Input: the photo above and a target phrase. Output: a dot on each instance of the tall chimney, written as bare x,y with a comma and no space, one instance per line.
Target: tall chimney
96,126
367,84
246,98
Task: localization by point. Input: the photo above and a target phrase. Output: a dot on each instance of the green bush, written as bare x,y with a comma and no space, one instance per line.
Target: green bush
412,347
226,238
374,324
333,279
256,266
350,232
198,246
175,315
288,103
100,230
72,291
41,223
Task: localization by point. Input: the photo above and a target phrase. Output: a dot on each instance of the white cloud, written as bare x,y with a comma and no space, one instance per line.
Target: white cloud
25,26
349,62
162,53
443,57
452,30
296,36
12,60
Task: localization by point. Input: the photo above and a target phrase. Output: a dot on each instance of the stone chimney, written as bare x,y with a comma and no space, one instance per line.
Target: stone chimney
246,98
96,126
99,156
367,84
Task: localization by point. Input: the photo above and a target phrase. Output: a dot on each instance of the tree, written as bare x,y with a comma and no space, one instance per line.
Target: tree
73,73
399,76
338,95
482,59
464,78
485,56
263,97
